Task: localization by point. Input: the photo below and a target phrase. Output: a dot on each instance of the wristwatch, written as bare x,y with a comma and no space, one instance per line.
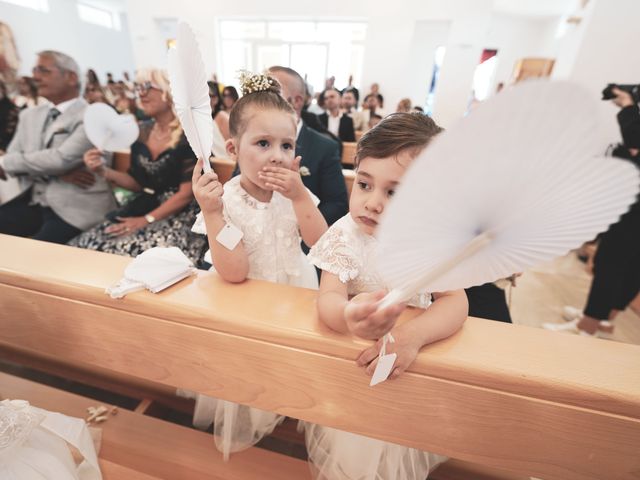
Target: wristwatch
150,218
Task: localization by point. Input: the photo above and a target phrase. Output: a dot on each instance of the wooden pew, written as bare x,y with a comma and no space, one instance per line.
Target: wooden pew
349,177
348,153
518,399
135,446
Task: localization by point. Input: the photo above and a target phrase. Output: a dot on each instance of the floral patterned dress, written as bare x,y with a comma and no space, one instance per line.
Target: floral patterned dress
160,178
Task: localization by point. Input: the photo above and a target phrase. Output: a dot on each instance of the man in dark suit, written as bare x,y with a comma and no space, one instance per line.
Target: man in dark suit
333,119
320,155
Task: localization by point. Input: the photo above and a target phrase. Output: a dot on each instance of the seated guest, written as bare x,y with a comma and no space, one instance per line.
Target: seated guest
320,155
220,121
229,97
8,117
55,204
350,107
28,94
334,120
161,165
374,120
370,107
404,106
93,93
351,88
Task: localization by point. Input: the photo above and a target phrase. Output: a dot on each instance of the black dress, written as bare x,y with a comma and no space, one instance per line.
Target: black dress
160,178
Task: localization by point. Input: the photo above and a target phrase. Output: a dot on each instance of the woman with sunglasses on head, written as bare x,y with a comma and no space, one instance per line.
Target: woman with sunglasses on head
220,121
158,170
229,97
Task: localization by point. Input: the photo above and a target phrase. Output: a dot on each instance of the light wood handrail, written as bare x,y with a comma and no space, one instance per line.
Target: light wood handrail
517,398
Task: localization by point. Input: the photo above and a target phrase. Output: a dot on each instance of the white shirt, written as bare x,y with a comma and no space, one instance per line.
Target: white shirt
334,123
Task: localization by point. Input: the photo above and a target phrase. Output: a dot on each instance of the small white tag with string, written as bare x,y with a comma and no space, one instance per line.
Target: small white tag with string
385,362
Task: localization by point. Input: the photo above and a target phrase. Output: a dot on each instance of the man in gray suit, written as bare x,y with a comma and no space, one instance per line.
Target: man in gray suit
59,198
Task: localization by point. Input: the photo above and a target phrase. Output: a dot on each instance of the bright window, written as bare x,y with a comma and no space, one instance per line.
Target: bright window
98,16
316,50
39,5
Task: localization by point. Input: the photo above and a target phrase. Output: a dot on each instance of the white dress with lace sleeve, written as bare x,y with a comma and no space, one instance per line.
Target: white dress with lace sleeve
346,251
349,253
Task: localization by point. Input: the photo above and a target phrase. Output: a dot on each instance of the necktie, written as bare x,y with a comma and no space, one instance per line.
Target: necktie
51,116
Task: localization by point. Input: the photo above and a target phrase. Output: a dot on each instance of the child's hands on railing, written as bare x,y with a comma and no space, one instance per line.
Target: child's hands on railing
286,181
207,189
405,345
363,318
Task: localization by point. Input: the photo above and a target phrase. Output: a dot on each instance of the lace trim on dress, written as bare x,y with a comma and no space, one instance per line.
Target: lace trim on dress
17,421
335,252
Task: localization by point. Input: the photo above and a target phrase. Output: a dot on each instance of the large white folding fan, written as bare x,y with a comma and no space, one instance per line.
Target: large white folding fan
190,93
517,182
108,130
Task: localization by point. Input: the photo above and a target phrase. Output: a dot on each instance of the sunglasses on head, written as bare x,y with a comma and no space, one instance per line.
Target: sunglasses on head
144,87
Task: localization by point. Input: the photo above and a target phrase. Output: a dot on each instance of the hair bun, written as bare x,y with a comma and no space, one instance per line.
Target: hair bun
257,82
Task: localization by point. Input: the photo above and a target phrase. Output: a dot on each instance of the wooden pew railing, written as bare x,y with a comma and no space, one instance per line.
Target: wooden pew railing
514,398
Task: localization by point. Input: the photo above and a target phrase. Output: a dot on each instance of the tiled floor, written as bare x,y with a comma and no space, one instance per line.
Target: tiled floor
542,292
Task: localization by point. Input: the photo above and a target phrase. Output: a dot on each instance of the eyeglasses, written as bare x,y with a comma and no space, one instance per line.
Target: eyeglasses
41,70
143,88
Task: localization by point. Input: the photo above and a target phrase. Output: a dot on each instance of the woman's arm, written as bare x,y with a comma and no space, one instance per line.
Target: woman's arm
222,120
174,203
121,179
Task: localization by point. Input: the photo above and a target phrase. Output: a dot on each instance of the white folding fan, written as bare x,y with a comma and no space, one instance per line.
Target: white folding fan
190,93
515,183
108,130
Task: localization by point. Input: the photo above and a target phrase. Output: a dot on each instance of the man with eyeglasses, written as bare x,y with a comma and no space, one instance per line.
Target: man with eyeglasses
58,198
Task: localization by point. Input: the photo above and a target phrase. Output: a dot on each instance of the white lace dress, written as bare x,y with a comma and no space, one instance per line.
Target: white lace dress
34,444
349,253
272,242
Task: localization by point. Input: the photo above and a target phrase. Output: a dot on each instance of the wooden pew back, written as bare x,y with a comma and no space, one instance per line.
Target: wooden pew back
510,397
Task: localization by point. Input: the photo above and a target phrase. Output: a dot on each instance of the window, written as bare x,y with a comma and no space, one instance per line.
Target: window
316,50
98,16
39,5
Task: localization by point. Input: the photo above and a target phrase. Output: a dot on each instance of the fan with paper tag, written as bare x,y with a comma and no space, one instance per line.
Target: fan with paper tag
190,93
108,130
517,182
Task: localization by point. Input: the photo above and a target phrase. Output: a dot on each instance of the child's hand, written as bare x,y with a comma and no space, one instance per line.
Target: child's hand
94,161
207,189
363,318
284,180
405,346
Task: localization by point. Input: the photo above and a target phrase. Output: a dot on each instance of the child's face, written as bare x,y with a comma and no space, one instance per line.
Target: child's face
375,183
269,139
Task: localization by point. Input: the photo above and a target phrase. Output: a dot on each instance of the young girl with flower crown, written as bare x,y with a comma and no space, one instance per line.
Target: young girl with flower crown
350,291
255,227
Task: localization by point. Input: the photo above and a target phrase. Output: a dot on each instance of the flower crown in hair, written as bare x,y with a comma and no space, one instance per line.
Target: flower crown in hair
255,82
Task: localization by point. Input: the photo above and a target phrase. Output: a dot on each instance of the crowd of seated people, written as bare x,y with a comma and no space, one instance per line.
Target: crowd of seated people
66,186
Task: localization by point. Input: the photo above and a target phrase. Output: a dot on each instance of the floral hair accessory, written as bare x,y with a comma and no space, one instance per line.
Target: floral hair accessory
304,171
255,82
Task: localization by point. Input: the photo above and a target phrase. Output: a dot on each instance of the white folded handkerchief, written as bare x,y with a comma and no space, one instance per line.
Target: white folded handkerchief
155,270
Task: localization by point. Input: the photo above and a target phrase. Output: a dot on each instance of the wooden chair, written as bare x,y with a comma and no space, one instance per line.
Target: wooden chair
348,153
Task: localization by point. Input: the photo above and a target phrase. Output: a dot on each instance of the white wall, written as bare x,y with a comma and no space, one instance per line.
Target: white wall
517,37
602,50
102,49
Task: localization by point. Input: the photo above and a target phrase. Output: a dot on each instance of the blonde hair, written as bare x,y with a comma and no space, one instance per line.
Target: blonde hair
160,79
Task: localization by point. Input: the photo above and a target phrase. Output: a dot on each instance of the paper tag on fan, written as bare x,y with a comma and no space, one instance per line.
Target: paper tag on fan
229,236
385,362
383,369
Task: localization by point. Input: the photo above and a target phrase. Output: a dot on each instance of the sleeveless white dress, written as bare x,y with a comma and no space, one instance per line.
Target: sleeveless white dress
349,253
272,241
